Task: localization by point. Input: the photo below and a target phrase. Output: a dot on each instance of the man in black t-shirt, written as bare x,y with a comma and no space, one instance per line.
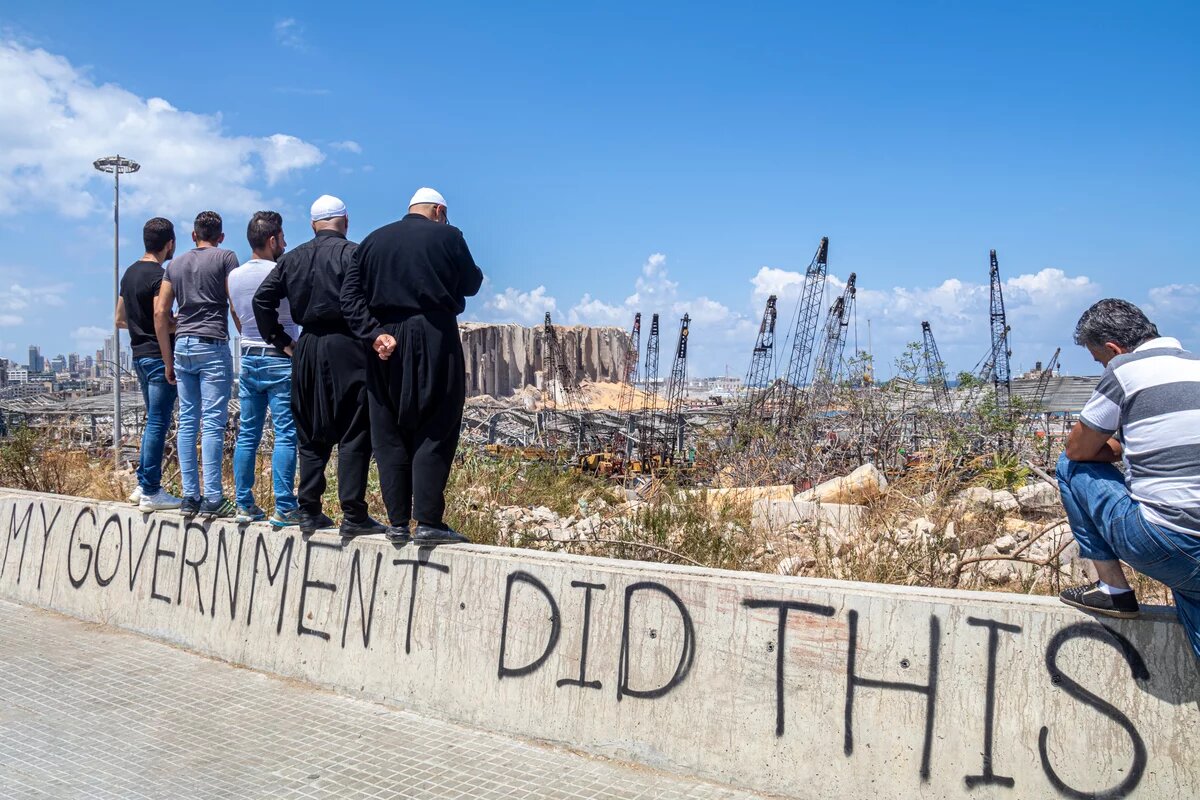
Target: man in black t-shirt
135,312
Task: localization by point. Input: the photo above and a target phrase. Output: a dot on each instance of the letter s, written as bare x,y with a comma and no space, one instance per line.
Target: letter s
1087,630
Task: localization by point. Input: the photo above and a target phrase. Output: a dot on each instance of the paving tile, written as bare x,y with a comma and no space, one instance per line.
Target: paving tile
88,712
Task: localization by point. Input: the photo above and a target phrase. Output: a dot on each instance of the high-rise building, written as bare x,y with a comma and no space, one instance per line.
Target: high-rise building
36,362
73,363
58,365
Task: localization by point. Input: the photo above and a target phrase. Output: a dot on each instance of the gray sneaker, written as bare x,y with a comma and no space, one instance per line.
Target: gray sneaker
285,519
159,501
250,513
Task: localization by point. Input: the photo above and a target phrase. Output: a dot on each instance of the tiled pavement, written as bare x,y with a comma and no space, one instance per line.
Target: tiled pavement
93,712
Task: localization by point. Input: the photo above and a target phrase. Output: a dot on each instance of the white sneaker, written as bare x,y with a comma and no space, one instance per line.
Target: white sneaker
136,497
159,501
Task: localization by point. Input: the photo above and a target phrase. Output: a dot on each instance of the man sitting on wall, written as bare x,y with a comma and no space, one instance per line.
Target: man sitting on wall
1149,397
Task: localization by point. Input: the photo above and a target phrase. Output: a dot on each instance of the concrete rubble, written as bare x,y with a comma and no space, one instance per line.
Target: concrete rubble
861,486
990,538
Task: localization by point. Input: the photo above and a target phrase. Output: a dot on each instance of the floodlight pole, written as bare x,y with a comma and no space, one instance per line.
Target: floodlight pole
116,165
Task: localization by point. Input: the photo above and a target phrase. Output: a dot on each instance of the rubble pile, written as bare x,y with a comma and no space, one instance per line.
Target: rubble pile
845,528
982,537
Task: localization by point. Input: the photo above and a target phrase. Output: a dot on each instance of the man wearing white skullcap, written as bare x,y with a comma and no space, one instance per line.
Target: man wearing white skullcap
329,369
405,289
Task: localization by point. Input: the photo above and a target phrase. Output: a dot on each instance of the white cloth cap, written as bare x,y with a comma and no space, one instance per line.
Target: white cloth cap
427,195
327,207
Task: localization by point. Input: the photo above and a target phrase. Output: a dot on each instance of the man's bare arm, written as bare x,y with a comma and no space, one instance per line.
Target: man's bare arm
164,325
122,322
1088,444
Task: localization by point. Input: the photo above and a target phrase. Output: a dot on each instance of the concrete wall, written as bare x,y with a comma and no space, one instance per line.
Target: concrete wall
801,687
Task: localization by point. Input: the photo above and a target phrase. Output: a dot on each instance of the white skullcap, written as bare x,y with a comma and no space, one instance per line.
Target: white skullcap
427,195
327,207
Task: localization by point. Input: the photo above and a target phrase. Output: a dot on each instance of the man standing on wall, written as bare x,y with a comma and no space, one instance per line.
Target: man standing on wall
135,313
199,362
1149,396
329,364
403,294
265,381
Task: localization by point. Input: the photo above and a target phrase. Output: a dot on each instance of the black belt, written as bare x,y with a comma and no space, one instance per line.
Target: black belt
264,351
207,339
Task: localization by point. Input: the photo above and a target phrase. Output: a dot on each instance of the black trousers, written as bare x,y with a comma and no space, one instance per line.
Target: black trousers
329,405
416,399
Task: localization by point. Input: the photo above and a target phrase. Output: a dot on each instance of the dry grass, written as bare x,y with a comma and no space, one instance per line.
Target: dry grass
668,525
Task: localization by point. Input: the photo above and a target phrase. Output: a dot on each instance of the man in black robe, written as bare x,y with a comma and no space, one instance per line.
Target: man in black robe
405,288
329,369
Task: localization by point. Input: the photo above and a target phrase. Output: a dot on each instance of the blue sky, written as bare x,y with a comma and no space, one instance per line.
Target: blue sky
608,158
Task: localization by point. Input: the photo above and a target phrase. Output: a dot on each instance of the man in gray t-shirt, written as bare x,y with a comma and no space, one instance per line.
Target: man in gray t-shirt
200,363
198,280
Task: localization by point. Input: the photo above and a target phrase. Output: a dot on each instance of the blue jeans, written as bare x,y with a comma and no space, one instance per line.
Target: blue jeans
204,375
159,399
266,382
1108,525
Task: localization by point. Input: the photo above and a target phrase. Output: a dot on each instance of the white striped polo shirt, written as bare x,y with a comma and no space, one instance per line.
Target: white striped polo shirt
1152,396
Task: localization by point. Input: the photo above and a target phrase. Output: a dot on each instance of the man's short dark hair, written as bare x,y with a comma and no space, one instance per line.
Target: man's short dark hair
208,226
1116,321
157,234
263,225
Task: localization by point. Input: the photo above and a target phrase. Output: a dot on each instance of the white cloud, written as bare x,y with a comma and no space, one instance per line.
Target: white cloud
11,320
1173,299
89,337
21,298
591,311
290,33
1173,309
1040,307
782,283
55,120
284,153
717,333
348,146
513,305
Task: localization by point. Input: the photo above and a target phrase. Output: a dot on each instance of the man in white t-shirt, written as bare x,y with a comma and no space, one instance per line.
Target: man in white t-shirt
265,381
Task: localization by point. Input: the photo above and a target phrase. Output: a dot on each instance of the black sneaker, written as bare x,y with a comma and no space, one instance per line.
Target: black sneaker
366,527
217,509
310,523
1091,598
429,535
189,507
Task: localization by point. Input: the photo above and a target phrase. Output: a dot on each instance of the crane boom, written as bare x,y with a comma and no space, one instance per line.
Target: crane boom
935,369
1001,375
650,399
807,318
759,375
